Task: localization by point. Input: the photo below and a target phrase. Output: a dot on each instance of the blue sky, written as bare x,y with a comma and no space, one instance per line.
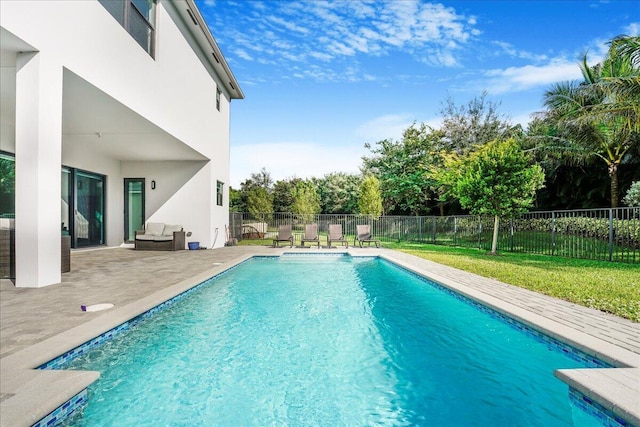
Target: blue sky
321,79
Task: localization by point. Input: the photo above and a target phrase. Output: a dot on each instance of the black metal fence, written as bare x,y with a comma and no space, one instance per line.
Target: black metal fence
601,234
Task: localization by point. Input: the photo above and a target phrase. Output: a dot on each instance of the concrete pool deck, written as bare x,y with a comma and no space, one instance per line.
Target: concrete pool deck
37,325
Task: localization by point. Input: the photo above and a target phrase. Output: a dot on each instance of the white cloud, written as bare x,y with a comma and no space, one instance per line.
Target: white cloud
321,56
523,118
434,122
339,48
389,126
283,44
632,29
288,25
544,71
328,34
241,53
440,57
289,159
510,50
515,79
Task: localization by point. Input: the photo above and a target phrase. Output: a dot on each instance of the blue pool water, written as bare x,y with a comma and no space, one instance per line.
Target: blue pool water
325,341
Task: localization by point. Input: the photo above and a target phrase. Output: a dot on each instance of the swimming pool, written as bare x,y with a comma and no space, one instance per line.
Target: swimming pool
327,340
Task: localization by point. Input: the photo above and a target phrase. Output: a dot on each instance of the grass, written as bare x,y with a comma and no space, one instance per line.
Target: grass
574,246
606,286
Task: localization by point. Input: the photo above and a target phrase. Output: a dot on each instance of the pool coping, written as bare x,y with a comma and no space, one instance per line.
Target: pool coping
33,394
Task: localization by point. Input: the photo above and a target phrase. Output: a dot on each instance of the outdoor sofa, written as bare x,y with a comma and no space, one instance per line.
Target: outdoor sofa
158,236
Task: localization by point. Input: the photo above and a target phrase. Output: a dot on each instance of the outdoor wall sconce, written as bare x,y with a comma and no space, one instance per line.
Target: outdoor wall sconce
153,184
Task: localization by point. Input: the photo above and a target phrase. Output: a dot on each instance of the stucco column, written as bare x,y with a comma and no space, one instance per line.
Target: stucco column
38,157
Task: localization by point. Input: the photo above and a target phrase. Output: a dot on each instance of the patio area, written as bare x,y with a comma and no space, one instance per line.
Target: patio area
37,324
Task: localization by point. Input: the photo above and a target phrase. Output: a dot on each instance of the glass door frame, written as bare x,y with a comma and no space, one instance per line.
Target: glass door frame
126,205
73,204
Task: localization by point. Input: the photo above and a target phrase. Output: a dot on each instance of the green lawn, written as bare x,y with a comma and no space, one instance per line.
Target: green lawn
606,286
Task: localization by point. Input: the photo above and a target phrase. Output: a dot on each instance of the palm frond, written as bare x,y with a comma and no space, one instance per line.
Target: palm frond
628,46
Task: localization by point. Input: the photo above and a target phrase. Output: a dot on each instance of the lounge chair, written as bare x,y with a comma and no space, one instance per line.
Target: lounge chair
284,235
335,235
310,235
363,235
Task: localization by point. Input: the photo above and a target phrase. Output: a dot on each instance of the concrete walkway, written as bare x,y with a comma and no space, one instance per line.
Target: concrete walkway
39,324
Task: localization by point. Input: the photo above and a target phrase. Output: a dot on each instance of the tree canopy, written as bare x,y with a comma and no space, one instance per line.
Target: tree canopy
259,201
370,201
599,117
305,199
475,123
497,179
403,169
338,193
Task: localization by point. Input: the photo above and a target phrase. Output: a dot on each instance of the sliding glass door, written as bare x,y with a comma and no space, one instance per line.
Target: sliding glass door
89,226
133,207
67,202
83,207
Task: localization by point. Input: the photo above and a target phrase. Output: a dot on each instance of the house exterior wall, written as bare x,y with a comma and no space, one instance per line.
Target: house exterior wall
172,93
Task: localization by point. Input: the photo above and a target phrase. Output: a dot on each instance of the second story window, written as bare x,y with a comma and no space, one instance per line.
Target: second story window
137,17
218,98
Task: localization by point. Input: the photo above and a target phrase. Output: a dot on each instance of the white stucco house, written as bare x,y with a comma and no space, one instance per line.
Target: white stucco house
114,113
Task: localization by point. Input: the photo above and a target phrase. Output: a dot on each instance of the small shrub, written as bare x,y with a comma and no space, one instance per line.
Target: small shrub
632,197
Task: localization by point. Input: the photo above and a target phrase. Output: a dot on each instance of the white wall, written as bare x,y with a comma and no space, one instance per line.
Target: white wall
7,108
174,91
85,159
182,194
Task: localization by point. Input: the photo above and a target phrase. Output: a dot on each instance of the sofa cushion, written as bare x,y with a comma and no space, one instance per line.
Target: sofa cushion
145,237
154,228
152,238
162,238
170,228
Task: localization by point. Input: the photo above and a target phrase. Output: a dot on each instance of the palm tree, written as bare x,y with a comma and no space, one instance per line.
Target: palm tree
600,116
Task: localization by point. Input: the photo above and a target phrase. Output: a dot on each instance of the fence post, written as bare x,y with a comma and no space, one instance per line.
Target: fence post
511,233
455,231
553,233
610,234
479,232
434,229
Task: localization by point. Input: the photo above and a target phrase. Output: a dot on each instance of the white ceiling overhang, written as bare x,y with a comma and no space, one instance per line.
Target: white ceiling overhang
93,120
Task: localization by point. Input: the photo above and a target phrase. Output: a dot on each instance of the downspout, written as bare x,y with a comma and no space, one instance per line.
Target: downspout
214,239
